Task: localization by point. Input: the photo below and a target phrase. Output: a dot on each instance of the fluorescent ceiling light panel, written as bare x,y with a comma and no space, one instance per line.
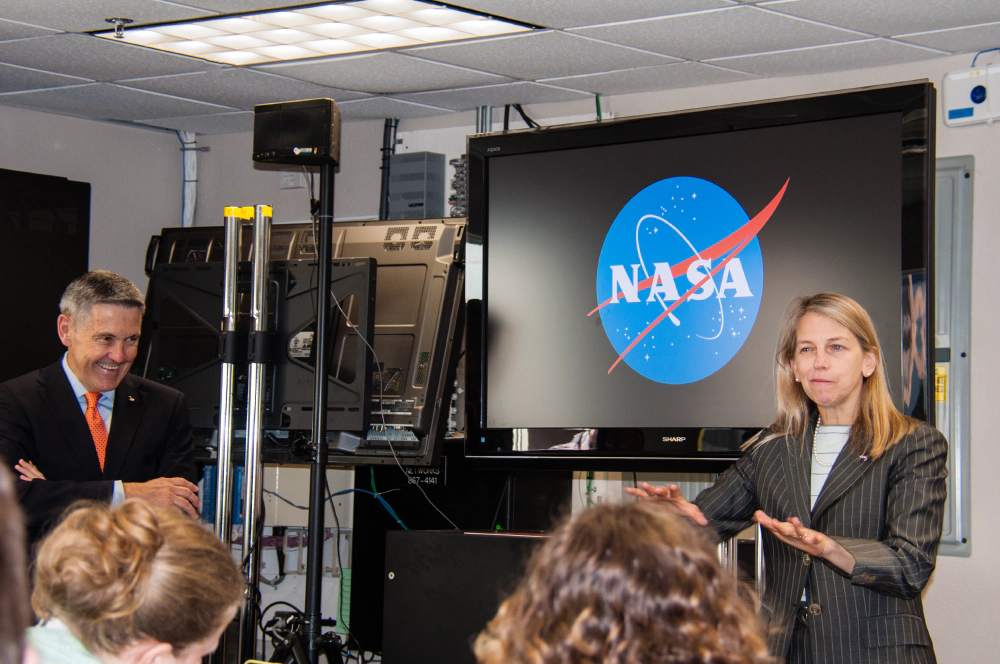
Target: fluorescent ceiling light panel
315,31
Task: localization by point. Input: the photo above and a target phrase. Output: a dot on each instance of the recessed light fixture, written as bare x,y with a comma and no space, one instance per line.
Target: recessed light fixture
318,30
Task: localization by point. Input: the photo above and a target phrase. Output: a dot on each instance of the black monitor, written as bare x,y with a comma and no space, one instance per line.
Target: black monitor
635,272
417,311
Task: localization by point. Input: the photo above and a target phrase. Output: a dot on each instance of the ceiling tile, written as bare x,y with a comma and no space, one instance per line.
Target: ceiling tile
587,12
838,57
386,107
96,58
103,101
15,30
894,18
13,79
959,40
645,79
725,32
77,16
538,55
239,88
217,123
382,73
239,6
495,95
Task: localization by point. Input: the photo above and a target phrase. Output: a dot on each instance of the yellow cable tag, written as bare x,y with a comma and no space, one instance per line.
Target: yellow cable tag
940,382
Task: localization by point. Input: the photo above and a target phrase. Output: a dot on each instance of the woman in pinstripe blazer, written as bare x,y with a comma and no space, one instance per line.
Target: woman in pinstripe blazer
851,542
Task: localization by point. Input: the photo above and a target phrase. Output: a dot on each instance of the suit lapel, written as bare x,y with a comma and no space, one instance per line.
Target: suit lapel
129,404
57,393
796,466
847,469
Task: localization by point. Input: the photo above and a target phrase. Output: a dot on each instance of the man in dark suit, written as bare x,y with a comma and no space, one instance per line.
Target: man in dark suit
84,428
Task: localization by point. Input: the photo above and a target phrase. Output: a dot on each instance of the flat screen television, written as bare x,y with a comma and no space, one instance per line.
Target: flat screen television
635,272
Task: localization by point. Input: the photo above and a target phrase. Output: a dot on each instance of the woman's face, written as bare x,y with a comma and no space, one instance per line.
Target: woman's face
830,364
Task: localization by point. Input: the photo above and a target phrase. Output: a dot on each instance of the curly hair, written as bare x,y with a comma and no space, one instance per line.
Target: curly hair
119,576
624,585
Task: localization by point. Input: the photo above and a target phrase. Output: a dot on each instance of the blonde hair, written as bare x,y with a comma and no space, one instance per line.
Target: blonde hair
119,576
878,424
14,609
627,584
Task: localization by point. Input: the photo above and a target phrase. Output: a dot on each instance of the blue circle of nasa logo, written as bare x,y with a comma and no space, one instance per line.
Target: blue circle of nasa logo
680,279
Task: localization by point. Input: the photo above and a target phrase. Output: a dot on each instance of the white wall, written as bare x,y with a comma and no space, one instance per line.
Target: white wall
135,177
962,594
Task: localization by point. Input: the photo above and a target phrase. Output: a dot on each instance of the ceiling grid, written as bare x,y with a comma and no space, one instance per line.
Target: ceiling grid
50,60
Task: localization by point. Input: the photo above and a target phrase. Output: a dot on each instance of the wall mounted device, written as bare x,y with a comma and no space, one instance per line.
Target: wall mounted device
968,96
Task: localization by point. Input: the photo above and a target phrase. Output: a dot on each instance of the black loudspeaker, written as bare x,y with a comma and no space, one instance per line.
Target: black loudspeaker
297,133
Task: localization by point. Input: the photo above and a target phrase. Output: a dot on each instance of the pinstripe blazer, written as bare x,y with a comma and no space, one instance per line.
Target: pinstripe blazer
886,512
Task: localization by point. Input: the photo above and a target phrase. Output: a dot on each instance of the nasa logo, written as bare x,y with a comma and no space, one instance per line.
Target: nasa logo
683,251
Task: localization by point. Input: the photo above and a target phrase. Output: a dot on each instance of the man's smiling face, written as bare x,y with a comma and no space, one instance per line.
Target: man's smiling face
102,346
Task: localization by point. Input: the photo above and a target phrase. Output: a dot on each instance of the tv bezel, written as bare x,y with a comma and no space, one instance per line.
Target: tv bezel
914,101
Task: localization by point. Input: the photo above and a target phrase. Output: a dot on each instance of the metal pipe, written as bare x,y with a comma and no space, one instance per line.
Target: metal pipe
224,475
484,119
388,148
317,478
253,470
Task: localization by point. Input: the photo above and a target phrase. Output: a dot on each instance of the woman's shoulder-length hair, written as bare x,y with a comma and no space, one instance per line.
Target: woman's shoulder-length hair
878,425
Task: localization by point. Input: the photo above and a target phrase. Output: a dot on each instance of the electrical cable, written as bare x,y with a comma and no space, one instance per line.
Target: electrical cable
506,117
524,116
981,52
493,523
263,629
385,427
340,566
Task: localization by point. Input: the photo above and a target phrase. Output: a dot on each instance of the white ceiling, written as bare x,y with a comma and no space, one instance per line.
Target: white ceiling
48,62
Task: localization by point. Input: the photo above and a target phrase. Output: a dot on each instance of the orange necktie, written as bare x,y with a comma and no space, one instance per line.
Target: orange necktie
96,424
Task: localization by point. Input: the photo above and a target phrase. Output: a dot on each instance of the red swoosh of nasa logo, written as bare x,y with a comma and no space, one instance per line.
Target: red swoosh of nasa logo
732,244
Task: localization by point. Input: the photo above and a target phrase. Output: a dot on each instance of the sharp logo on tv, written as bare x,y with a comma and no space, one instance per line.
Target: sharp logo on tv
680,279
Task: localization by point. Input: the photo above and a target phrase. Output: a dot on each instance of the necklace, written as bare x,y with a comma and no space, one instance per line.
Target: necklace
819,421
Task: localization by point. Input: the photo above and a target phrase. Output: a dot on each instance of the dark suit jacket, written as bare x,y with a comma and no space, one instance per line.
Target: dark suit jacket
41,421
886,512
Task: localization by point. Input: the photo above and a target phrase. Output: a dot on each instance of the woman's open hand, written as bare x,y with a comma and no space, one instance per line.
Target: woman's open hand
671,498
813,542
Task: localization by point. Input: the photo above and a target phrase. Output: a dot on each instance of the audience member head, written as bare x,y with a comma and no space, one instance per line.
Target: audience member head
99,323
624,585
136,583
14,608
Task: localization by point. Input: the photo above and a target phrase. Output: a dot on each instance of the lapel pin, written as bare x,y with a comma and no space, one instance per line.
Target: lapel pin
863,457
133,399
